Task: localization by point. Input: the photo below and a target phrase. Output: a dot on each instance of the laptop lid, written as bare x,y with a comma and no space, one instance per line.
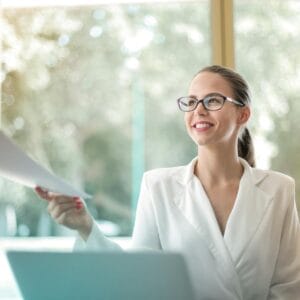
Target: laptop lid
101,275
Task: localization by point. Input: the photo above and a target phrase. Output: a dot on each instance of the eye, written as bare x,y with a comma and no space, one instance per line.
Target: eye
191,101
188,101
214,101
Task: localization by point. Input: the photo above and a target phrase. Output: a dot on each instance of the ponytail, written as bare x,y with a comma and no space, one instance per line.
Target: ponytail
246,148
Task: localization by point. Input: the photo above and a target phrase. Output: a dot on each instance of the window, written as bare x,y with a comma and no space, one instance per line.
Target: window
83,89
267,39
89,91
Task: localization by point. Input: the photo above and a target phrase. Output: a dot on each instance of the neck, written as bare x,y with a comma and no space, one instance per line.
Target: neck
218,165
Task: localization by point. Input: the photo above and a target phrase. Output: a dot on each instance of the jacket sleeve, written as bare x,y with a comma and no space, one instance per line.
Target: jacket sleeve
286,279
96,241
145,233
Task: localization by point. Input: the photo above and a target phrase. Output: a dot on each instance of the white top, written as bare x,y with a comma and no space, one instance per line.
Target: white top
257,258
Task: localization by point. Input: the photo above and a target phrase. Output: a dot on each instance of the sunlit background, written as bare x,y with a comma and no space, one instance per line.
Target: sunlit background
90,92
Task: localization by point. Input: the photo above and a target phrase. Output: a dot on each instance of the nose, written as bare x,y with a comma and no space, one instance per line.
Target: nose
200,109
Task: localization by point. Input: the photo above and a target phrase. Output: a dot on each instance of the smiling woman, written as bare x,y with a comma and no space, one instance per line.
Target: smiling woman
83,89
212,209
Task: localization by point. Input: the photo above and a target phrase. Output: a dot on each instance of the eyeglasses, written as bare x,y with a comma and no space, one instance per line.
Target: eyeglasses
210,102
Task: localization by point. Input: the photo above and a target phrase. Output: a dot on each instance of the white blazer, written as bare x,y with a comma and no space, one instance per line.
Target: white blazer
257,258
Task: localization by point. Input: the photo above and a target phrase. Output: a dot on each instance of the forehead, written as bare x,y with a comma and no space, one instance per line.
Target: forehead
207,82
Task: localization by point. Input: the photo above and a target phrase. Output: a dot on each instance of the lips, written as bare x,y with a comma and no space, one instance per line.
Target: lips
202,125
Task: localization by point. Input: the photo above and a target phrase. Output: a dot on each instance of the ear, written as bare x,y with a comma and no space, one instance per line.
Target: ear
244,115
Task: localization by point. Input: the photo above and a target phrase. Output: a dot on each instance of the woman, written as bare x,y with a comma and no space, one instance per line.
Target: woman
237,226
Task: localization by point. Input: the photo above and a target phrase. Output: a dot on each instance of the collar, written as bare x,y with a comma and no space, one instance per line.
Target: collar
256,175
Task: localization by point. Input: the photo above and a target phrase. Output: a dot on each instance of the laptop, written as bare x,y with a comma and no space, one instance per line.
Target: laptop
101,275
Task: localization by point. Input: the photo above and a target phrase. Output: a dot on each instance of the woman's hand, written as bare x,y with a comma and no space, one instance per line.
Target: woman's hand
68,211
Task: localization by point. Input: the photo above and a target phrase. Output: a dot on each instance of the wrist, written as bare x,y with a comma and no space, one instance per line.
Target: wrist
85,230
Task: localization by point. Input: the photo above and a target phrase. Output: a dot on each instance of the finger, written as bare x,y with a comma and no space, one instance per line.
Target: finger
39,189
54,195
62,198
42,193
47,195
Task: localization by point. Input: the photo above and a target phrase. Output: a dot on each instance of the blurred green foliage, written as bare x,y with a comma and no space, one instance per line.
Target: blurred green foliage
69,80
67,95
267,53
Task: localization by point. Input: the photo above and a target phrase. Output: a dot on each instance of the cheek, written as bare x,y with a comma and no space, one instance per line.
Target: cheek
226,117
187,119
228,125
188,116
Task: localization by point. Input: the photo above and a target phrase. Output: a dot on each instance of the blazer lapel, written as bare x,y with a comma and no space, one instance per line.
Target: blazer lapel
248,211
195,206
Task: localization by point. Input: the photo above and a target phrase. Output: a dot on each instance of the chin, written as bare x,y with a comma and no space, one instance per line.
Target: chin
205,140
201,142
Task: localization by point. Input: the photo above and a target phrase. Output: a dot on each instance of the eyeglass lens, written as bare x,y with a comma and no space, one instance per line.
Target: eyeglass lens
210,103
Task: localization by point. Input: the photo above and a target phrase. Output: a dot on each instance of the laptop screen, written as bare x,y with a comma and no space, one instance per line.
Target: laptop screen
101,275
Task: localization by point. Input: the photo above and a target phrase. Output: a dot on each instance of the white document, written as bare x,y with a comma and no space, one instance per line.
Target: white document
17,166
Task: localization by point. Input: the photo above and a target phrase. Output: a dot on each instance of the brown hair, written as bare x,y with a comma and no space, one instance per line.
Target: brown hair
241,93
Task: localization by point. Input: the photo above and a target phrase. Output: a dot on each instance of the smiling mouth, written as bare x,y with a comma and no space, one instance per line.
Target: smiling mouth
202,125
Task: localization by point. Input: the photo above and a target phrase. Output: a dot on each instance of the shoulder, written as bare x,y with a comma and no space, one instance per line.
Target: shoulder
274,180
164,175
274,176
164,183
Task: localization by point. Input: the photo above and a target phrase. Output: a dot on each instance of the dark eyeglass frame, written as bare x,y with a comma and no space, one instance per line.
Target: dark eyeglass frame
205,100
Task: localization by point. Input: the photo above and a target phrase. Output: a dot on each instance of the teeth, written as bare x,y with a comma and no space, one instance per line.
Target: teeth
202,125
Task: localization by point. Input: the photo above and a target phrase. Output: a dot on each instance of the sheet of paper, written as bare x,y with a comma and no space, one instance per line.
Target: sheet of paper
17,166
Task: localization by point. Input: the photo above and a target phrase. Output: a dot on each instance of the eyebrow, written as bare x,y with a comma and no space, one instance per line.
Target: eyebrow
207,95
